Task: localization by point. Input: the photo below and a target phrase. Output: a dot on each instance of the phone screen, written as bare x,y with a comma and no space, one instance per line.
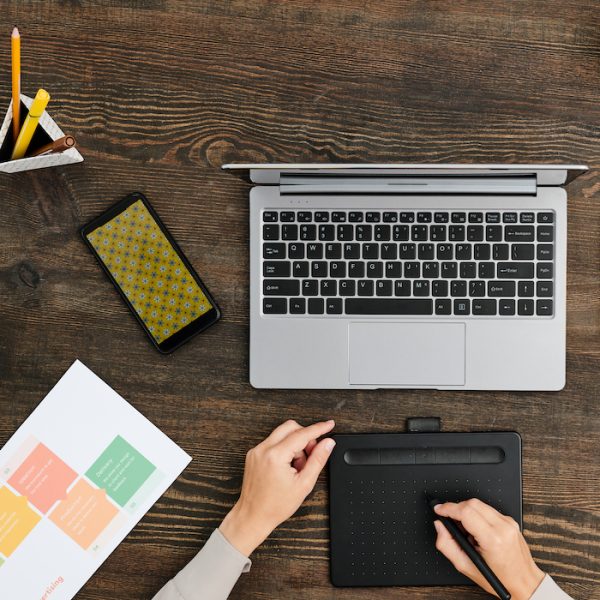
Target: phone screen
151,273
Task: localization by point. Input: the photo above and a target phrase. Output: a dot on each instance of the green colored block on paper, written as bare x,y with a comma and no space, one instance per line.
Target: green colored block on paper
120,470
1,561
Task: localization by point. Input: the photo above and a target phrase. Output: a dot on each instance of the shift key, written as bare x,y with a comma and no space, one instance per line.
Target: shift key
281,287
515,270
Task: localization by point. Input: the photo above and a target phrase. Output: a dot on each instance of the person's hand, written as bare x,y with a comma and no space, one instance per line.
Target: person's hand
498,539
279,473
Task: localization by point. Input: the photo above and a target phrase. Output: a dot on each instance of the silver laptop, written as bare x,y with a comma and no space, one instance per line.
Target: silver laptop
408,276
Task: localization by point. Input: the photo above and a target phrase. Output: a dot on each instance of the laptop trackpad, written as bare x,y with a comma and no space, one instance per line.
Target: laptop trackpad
415,354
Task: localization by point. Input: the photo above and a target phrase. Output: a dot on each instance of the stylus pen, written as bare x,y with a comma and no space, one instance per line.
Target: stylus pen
470,551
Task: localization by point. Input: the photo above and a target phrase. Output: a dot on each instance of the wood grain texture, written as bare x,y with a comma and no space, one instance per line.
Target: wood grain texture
159,94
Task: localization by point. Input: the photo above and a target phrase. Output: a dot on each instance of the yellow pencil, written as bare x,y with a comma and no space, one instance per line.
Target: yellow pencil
15,44
31,122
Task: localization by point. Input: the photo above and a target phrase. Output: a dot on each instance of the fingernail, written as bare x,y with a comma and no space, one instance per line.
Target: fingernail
436,508
437,525
331,421
329,444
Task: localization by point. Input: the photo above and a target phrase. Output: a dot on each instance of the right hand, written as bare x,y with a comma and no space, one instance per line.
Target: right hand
279,473
498,539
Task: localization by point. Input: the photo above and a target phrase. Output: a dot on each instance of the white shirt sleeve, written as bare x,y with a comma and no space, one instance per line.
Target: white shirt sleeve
210,575
549,590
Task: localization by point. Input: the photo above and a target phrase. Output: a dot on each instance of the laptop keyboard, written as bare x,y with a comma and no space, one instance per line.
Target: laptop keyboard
381,263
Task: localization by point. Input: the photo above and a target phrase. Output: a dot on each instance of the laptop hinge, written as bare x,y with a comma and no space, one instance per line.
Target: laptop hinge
332,184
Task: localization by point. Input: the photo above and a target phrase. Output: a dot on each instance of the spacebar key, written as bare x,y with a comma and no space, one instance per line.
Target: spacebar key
389,306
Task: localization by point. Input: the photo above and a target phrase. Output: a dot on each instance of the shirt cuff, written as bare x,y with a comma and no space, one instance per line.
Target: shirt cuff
213,572
549,590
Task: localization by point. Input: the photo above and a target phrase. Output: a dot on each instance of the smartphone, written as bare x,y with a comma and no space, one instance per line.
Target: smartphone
151,273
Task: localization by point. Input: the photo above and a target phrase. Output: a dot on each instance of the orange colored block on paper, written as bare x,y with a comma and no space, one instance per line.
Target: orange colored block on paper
17,519
43,478
84,514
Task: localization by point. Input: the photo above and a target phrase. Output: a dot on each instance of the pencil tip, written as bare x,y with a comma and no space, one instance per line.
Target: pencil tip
15,32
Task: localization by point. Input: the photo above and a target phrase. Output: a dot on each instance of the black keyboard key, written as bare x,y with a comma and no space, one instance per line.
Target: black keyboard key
296,251
545,289
506,307
458,288
515,270
269,216
281,287
308,232
418,233
365,287
443,306
390,217
500,251
407,251
375,269
527,217
327,233
441,217
445,252
289,232
543,308
316,306
545,217
301,268
420,288
333,251
525,289
277,268
456,233
545,252
412,270
431,270
544,270
347,287
493,233
483,307
314,251
351,251
270,232
501,289
382,233
486,270
355,217
401,287
482,252
297,306
464,251
477,289
439,287
364,233
545,233
458,217
401,233
345,233
337,269
462,306
525,308
274,251
389,306
318,268
522,252
275,306
310,287
328,287
492,217
449,270
426,251
438,233
407,217
475,233
370,251
334,306
475,217
356,269
373,217
383,287
468,270
519,233
287,216
321,217
338,217
304,217
389,251
509,217
423,217
393,269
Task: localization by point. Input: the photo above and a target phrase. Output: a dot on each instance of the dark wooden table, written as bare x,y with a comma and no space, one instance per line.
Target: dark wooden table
159,94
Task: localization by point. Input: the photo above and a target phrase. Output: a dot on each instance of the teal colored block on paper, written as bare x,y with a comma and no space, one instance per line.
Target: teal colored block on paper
120,470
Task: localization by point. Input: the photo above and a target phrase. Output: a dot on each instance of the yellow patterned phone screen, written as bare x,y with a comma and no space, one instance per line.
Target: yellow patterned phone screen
149,271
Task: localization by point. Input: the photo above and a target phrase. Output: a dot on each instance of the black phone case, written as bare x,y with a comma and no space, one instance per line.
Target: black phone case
187,332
